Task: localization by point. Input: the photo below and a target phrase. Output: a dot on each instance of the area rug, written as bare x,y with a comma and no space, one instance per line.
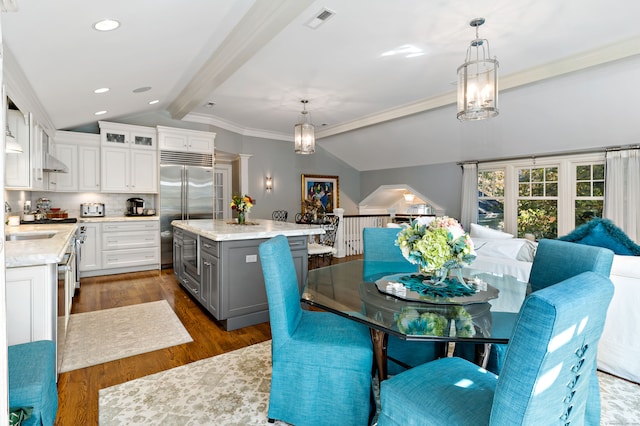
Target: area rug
233,389
102,336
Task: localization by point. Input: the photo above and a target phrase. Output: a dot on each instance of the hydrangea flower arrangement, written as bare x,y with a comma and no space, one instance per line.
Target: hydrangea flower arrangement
441,244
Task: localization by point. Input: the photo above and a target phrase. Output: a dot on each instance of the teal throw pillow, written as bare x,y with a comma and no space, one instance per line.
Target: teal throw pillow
603,233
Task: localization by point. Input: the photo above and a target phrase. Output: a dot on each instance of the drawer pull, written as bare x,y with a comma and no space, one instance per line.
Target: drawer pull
208,245
207,263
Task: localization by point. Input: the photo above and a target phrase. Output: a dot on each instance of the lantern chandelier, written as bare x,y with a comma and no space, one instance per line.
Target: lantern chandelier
303,133
478,80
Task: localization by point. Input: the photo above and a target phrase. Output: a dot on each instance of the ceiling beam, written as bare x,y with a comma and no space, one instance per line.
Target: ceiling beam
260,25
599,56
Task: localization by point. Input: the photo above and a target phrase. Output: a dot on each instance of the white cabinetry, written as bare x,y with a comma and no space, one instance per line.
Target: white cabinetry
68,154
128,135
81,153
120,247
31,303
129,158
89,167
39,144
18,166
184,140
130,244
90,252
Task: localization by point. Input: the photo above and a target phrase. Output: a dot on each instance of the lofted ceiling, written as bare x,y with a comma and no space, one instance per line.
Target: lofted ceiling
252,61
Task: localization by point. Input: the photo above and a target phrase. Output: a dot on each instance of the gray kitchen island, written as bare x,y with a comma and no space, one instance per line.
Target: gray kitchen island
217,262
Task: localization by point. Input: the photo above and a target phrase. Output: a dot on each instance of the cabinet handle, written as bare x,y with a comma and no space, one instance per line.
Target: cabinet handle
207,263
208,245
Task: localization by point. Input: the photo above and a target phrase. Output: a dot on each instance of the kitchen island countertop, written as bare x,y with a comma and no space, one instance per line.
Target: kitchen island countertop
227,230
38,251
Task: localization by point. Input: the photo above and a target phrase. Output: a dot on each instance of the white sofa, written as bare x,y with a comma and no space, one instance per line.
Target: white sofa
619,349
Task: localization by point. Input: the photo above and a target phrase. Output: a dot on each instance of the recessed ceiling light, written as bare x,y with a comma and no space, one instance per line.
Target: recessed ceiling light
106,25
100,113
153,102
142,89
101,90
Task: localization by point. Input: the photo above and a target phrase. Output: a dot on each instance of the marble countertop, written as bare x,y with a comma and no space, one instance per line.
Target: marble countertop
39,251
226,230
116,219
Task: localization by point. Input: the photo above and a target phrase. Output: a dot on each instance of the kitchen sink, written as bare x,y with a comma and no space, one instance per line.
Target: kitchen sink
22,236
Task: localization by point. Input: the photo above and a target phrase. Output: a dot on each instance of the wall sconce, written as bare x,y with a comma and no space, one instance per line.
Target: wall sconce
268,183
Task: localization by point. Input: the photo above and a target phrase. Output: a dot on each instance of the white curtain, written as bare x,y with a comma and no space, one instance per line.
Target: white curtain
622,193
469,213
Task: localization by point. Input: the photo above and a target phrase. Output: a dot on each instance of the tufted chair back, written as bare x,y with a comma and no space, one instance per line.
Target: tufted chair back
549,372
557,260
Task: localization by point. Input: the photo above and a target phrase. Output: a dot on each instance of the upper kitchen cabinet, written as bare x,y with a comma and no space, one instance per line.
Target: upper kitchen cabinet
18,165
81,153
125,166
184,140
126,135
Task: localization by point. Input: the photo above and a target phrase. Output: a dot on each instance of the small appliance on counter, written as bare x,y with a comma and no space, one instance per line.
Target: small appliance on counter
92,210
135,207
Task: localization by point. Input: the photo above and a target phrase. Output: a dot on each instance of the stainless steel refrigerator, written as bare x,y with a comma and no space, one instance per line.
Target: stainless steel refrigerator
186,192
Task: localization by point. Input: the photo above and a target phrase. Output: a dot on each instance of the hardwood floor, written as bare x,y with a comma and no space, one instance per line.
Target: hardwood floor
78,389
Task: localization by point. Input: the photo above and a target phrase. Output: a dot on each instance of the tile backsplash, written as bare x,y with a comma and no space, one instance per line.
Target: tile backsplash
114,204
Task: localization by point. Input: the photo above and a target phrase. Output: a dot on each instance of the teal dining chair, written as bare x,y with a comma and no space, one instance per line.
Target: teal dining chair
556,261
322,363
548,377
382,257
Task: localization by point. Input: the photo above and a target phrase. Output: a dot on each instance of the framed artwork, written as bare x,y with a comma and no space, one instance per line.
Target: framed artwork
319,194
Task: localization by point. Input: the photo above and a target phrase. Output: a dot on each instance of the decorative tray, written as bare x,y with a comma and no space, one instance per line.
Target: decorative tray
419,288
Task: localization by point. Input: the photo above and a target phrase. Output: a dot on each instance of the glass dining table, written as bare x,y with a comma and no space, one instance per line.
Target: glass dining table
412,307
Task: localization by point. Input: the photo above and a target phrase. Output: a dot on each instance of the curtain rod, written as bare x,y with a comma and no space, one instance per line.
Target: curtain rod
524,157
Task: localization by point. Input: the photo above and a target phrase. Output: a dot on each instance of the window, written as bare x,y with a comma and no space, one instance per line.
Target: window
589,199
538,202
491,198
546,197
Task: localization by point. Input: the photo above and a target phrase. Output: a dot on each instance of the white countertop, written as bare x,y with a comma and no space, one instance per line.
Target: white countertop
226,230
116,219
39,251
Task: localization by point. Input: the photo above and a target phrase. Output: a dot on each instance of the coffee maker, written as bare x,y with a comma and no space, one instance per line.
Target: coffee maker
135,207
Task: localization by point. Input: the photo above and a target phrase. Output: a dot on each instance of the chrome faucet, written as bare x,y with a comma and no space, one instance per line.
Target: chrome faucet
7,207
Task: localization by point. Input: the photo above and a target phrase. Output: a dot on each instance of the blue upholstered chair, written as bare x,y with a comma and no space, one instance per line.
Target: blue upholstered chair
322,363
549,374
382,257
556,261
32,380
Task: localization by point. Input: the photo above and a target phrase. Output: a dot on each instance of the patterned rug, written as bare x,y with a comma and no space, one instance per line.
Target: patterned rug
233,389
102,336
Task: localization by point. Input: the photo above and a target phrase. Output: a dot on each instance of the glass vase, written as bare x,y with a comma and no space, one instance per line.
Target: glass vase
241,218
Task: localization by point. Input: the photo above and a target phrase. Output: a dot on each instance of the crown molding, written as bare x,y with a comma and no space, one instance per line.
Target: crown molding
236,128
22,94
588,59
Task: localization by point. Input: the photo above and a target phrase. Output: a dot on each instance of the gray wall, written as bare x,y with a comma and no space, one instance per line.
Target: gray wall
442,183
278,160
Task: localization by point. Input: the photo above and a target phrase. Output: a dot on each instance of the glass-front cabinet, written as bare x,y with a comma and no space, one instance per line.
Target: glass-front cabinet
125,135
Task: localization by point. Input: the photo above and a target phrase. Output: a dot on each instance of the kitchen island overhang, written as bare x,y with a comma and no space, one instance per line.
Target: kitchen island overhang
217,262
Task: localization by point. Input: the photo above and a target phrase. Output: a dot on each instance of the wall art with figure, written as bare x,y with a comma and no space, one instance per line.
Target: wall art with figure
319,194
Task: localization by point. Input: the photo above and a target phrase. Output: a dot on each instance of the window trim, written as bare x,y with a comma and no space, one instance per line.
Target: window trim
566,185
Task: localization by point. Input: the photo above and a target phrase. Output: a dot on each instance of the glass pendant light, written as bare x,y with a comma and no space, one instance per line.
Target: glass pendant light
304,133
478,80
